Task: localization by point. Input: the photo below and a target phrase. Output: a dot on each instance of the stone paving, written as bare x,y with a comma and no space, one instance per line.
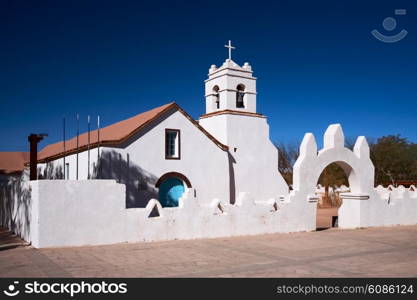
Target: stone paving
372,252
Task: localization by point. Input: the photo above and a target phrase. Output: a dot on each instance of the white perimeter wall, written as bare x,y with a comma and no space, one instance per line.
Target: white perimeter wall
92,212
393,206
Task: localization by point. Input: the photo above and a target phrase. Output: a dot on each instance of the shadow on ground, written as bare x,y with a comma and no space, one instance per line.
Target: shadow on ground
9,240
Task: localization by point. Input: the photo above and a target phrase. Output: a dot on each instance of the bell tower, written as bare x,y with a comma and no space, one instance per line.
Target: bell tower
230,87
232,118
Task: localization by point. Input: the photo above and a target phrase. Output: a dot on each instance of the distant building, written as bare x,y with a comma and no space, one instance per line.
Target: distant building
12,164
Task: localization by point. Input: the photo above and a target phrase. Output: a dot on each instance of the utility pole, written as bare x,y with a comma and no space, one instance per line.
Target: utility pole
34,139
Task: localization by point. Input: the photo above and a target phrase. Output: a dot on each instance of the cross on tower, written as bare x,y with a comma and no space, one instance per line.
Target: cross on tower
230,47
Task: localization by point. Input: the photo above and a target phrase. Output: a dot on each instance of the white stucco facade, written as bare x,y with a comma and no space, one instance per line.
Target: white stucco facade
141,160
251,152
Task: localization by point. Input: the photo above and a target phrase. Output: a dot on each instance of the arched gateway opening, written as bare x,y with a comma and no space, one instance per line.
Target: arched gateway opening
331,183
356,165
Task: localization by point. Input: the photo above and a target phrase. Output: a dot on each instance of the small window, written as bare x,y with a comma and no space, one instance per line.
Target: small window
172,144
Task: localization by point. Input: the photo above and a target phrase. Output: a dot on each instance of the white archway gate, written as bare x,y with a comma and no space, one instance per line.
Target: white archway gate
356,164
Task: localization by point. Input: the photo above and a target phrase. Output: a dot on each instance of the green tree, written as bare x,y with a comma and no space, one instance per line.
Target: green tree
333,176
395,159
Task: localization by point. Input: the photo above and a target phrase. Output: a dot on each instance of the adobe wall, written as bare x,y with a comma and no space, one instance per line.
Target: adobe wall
92,212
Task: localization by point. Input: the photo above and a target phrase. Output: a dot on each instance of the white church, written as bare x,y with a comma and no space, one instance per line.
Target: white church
161,175
161,152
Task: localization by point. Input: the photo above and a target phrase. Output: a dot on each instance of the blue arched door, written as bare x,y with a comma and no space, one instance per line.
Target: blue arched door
170,191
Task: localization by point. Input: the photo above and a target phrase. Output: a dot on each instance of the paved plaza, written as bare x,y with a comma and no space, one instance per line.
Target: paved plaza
372,252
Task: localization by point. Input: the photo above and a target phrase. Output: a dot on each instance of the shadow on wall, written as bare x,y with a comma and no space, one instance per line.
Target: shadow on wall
140,185
51,172
232,183
15,204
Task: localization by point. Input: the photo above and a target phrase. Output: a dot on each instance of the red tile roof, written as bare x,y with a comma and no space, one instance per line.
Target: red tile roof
116,133
12,162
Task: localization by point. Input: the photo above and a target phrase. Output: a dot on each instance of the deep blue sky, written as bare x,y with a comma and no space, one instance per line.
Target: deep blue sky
316,63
